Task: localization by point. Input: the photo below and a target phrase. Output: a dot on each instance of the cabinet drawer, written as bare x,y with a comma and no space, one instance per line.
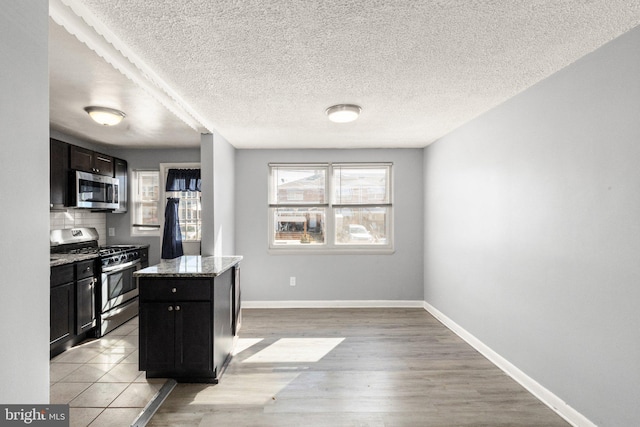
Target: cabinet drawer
61,275
175,290
85,269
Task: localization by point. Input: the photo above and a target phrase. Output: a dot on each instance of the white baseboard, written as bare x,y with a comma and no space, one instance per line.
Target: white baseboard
334,304
559,406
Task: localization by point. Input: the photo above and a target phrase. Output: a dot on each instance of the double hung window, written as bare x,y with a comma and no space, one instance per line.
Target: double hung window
331,206
189,214
146,197
189,207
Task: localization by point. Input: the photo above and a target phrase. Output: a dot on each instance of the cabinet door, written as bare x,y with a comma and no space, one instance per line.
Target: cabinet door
223,318
157,336
103,164
85,305
237,301
120,170
61,313
58,173
194,345
144,257
81,159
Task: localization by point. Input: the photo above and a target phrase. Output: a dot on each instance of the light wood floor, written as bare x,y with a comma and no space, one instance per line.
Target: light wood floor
354,367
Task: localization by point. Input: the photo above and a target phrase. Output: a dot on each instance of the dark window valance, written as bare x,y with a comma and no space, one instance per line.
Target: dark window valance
183,180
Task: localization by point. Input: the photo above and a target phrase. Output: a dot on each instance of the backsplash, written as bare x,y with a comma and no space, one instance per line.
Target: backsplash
75,218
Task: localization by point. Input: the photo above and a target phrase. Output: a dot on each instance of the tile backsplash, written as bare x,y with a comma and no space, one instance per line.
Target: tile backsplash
75,218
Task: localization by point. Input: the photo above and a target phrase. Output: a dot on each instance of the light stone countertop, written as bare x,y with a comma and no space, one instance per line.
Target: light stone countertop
62,259
190,266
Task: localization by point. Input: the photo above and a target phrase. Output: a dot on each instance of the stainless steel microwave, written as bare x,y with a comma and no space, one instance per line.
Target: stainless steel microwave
95,191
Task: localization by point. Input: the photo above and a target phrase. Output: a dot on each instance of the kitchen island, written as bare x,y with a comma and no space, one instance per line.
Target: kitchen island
189,316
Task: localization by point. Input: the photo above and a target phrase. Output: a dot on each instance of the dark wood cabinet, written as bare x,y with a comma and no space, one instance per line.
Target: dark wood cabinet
62,312
85,296
175,338
144,257
90,161
120,173
72,304
186,326
86,312
237,301
223,318
65,158
157,337
58,173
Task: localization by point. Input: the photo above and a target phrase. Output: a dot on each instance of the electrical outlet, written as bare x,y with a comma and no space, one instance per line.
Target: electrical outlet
112,231
292,281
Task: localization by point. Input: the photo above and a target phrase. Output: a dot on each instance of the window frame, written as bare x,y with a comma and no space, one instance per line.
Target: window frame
330,246
138,229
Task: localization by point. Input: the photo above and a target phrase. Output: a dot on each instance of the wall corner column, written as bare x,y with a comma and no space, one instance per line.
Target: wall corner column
208,240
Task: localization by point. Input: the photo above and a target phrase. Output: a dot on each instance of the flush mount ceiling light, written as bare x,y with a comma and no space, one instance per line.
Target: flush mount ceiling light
343,113
105,116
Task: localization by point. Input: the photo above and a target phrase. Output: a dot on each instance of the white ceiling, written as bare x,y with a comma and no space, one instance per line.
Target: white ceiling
262,72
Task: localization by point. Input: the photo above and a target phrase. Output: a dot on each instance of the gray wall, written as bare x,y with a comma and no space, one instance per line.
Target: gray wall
224,195
144,159
265,277
218,195
532,231
24,247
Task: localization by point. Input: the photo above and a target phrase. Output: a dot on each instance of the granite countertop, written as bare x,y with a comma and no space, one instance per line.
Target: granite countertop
62,259
190,266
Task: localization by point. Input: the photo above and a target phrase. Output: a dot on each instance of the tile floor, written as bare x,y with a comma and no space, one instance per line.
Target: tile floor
100,380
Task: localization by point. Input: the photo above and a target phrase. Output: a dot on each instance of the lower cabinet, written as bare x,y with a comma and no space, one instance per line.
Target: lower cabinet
86,305
177,336
72,313
185,327
61,314
86,279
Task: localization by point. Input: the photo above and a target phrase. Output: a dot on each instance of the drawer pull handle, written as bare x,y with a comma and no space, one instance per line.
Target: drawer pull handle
170,308
174,290
177,308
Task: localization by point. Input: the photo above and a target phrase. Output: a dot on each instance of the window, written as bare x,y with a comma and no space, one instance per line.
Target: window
362,204
146,197
189,214
189,208
331,206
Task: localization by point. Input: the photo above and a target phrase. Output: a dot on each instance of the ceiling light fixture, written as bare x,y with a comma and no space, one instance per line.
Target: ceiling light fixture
105,116
343,113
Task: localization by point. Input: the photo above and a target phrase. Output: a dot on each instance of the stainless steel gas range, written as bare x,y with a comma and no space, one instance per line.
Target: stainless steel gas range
117,293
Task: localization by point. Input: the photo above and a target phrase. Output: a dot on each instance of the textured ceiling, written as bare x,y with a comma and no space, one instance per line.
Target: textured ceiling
262,72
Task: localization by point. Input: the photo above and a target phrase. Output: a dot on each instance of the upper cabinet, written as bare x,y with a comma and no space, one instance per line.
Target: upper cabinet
89,161
58,173
65,158
121,174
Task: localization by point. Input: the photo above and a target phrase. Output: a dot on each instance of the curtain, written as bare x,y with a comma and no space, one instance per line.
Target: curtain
183,180
177,180
172,237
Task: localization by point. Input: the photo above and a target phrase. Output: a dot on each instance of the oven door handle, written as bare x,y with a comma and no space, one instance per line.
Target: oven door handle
120,266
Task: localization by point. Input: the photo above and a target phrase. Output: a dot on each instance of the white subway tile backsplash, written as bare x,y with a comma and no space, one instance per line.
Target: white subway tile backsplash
56,224
80,218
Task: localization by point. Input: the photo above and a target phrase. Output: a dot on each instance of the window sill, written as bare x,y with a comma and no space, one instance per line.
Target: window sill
145,234
307,250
